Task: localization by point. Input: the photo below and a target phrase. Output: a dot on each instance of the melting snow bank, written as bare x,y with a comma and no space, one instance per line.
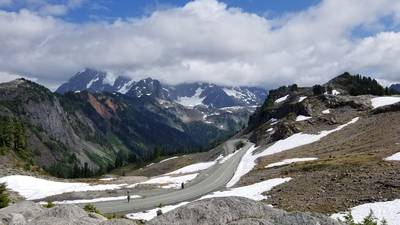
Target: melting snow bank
253,192
395,157
383,101
382,210
248,161
175,157
33,188
84,201
168,181
302,98
289,161
326,111
193,168
279,100
150,214
202,165
302,118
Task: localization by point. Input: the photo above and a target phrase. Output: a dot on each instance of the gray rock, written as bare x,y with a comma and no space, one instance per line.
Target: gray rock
65,215
238,211
118,222
17,219
26,208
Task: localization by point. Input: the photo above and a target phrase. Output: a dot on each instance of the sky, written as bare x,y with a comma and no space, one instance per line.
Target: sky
264,43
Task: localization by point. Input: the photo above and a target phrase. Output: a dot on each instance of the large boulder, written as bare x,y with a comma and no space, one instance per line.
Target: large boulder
237,211
64,215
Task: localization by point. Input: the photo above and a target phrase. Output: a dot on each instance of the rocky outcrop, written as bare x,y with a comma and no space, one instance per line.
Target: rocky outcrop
29,213
388,108
237,211
215,211
362,102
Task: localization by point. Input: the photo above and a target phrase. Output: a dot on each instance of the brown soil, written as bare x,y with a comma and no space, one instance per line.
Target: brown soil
350,170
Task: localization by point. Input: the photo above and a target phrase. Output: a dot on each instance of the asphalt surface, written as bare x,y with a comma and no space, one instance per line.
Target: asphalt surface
213,179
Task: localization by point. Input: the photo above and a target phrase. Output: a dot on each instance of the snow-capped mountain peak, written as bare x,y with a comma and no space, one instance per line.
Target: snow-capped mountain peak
186,94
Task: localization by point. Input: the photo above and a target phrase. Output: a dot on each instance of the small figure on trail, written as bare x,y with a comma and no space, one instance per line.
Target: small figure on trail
182,185
129,197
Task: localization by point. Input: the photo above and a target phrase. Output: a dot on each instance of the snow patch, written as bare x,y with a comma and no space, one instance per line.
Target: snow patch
126,87
248,161
92,82
193,168
33,188
107,179
395,157
192,101
279,100
302,118
150,214
289,161
382,210
168,181
165,160
253,191
302,98
326,111
383,101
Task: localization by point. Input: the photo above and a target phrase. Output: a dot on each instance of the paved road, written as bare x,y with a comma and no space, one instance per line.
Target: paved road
215,178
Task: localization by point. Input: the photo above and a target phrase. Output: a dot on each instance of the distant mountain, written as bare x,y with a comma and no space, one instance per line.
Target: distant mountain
395,87
187,94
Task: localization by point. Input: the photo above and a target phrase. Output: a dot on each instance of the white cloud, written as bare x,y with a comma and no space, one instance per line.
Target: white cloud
206,40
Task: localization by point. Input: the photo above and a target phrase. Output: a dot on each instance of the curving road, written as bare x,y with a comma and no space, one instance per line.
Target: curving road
213,179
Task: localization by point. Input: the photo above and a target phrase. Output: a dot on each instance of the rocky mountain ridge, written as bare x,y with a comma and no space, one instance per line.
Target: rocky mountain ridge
187,94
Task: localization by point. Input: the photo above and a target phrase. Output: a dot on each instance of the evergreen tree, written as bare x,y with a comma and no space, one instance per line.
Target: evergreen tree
318,89
4,200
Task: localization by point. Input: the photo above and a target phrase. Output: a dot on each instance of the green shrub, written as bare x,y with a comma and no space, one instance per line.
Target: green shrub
90,208
240,145
368,220
4,200
49,204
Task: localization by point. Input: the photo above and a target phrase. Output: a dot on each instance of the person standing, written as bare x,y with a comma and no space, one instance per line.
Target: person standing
129,197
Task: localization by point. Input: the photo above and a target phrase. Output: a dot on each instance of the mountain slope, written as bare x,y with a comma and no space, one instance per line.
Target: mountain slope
331,171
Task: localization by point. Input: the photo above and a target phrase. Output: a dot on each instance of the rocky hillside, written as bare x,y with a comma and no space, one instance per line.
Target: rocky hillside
233,211
333,173
78,134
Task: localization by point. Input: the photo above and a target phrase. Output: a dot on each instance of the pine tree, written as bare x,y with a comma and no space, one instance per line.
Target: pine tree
4,200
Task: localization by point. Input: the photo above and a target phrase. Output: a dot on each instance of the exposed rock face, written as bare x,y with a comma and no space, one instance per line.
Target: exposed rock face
237,211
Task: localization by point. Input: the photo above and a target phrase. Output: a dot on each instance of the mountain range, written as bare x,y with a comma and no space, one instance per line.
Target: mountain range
186,94
395,87
93,124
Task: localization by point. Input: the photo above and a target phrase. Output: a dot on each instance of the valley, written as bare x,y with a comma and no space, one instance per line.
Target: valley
304,150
